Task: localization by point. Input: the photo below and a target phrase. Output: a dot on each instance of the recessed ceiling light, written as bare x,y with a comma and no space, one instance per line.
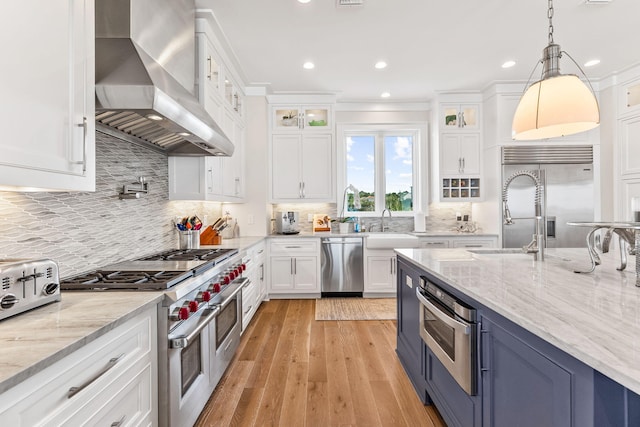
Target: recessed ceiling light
380,65
592,62
508,64
308,65
385,95
154,117
304,1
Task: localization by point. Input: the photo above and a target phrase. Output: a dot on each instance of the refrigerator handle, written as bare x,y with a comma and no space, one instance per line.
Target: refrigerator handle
551,226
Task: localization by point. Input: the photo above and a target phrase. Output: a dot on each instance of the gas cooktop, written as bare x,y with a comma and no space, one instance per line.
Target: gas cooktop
155,272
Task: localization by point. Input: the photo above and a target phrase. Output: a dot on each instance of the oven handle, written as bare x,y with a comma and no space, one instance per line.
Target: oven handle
241,282
184,340
440,315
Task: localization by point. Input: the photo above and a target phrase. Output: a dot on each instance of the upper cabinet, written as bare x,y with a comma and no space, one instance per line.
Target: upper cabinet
460,148
296,118
459,117
48,102
301,152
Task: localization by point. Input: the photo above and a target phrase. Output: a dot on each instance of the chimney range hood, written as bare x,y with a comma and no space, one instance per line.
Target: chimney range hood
145,74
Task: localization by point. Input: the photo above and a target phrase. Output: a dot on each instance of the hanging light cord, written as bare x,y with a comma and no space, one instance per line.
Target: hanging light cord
550,16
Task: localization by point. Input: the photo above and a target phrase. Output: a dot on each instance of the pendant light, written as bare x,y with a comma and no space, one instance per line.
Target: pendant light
558,104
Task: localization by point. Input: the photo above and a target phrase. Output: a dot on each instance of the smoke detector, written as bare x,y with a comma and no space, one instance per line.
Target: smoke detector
342,3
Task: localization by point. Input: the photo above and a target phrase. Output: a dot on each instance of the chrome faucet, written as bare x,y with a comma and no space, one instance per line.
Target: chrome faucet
536,247
384,228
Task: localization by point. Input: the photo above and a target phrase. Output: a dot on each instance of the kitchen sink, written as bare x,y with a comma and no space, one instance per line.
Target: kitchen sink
391,240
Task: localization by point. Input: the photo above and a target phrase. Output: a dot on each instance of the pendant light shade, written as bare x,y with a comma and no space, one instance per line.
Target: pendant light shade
558,104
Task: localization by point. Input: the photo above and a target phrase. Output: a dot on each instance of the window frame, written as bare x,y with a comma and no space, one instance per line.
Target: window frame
418,152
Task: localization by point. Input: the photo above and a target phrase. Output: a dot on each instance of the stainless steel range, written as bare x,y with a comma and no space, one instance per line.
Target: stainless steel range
199,322
27,284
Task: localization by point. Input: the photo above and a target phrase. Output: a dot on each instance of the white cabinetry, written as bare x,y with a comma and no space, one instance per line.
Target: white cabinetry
457,117
48,102
110,380
460,148
301,168
254,293
380,273
294,268
294,118
461,241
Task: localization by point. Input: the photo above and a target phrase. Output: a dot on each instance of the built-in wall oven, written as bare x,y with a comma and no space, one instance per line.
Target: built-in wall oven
448,328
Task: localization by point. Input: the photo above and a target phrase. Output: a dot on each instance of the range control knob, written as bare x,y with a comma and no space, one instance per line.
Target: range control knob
232,274
205,296
216,287
181,313
238,271
8,301
193,306
50,288
227,279
243,266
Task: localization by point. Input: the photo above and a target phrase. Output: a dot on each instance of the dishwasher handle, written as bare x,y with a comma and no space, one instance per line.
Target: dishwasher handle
342,241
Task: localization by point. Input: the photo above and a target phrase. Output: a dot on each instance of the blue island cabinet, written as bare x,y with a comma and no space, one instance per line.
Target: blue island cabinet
527,382
409,343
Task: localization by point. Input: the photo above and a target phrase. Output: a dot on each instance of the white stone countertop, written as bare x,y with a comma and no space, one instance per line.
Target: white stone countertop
593,317
243,242
34,340
367,233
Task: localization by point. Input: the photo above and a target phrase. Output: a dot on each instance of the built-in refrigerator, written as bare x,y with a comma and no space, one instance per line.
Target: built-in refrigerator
566,177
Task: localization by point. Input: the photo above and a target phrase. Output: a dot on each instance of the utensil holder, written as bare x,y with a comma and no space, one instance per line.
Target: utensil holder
210,237
189,239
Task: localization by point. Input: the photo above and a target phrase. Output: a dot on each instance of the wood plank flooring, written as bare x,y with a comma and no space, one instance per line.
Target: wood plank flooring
291,370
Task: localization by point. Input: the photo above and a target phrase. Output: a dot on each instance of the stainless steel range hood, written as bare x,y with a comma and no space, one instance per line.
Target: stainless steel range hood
145,72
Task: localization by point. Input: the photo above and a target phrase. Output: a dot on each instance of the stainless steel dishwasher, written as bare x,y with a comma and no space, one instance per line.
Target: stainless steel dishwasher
342,267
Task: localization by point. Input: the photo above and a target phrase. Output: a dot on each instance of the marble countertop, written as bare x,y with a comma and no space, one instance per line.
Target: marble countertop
594,317
34,340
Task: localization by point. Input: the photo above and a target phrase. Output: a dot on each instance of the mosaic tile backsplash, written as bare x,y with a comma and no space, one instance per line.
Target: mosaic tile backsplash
82,231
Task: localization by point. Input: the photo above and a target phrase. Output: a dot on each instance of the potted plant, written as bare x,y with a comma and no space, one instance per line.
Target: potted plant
343,224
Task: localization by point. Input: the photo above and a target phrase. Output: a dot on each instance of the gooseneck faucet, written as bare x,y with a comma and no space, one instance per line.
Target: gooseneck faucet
537,244
382,226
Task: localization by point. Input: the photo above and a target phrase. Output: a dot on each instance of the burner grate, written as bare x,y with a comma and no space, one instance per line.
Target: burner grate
126,280
187,255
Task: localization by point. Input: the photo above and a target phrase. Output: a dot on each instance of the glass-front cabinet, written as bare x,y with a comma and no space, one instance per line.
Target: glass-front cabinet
456,117
296,118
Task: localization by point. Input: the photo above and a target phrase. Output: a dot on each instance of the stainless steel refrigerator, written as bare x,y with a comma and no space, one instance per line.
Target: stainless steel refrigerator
566,175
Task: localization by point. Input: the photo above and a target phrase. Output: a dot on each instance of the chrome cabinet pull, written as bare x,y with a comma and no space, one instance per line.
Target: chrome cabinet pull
300,190
110,364
301,121
209,64
463,164
291,267
237,181
248,309
119,422
84,127
460,164
295,266
303,190
261,272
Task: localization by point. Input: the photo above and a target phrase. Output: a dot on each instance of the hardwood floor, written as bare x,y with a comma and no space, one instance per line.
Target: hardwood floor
291,370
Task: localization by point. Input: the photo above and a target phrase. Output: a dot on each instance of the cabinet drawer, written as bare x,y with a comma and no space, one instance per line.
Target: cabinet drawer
127,400
294,247
473,243
90,369
433,244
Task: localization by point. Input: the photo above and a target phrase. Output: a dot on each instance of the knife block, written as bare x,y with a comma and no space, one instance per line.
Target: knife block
210,237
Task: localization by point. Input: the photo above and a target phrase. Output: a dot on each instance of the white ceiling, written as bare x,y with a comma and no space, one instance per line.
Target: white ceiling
430,46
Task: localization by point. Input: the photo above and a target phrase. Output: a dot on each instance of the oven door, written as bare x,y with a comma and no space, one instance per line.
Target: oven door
225,336
451,339
189,367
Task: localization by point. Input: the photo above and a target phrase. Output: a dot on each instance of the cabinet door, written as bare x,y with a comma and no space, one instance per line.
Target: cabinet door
208,75
521,386
48,98
629,147
473,243
431,243
306,275
317,171
286,180
286,118
450,159
470,154
187,178
281,273
214,176
316,118
380,274
233,167
409,346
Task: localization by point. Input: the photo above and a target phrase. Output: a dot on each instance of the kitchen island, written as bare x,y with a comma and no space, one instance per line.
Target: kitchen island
593,318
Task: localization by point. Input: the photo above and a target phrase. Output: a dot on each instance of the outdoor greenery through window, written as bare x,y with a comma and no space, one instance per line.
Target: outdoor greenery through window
380,166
